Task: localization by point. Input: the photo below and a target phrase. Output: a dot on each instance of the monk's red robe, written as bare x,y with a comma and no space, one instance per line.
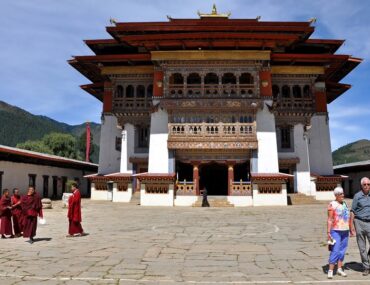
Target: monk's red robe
5,216
31,208
17,215
74,213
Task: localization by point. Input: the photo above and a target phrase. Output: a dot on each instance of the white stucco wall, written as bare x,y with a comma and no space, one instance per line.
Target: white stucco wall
267,161
156,199
319,146
185,200
109,157
16,176
302,176
280,199
158,151
240,201
127,148
122,196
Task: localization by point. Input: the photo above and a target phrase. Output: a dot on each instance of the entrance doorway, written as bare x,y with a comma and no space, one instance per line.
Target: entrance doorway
213,176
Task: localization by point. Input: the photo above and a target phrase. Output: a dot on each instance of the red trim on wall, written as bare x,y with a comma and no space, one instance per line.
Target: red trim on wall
108,97
265,83
158,84
320,99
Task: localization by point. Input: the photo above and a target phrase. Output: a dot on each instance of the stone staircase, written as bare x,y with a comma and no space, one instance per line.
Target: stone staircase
214,201
302,199
135,199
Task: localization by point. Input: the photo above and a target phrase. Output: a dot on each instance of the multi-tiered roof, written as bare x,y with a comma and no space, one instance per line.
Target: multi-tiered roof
289,42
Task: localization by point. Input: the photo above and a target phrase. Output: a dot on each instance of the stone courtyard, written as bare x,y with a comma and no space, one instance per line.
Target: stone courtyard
129,244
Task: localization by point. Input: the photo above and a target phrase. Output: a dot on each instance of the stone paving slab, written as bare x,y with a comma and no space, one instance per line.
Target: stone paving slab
129,244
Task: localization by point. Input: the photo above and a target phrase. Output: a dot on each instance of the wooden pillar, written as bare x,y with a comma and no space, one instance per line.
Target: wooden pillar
196,178
230,178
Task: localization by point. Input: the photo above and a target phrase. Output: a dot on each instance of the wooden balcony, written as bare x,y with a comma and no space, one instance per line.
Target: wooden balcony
124,105
295,104
211,90
212,135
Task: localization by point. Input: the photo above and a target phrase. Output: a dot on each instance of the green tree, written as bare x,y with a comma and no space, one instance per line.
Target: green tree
37,146
61,144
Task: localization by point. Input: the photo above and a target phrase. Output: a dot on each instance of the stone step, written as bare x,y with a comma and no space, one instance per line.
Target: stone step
135,199
301,199
214,203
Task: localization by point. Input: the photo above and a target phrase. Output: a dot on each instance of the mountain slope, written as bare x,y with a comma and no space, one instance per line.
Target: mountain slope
352,152
18,126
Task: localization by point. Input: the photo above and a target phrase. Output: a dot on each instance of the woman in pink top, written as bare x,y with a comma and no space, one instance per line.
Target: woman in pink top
338,231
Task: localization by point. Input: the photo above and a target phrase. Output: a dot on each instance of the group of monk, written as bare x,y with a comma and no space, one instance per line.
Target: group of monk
18,214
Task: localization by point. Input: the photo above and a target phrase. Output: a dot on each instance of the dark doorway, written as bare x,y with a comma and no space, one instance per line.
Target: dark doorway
241,172
184,171
213,176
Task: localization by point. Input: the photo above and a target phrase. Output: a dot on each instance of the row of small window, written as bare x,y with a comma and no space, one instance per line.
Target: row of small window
131,91
212,119
286,91
45,191
211,78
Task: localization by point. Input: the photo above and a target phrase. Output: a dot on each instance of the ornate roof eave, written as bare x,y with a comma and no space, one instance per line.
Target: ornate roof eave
95,89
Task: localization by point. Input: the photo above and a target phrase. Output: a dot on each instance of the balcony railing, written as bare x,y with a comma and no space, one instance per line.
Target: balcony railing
297,104
131,103
240,188
212,130
211,90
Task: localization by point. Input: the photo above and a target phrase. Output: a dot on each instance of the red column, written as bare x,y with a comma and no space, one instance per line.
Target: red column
196,179
230,178
320,100
158,84
107,97
265,83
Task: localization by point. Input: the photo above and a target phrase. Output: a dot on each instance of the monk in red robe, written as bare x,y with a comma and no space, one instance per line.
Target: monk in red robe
17,213
6,215
74,213
31,208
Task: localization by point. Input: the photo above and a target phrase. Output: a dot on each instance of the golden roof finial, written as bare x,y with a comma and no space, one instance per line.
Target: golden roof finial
214,14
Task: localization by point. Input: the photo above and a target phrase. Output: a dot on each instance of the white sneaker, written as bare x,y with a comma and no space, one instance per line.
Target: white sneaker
330,274
341,272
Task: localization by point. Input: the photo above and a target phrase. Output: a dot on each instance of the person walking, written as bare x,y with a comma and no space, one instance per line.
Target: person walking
5,215
338,227
17,213
360,218
205,199
74,213
31,208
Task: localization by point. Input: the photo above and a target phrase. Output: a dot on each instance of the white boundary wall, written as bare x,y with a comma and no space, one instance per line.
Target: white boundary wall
321,161
280,199
99,194
158,151
185,200
122,196
240,201
109,157
267,161
156,199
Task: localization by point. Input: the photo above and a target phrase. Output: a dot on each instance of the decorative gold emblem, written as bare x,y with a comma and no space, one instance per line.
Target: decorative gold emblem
214,14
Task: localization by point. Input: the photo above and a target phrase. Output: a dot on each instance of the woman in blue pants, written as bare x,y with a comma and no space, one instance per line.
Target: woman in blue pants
338,231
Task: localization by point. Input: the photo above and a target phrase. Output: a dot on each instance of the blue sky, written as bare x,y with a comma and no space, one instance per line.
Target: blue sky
37,37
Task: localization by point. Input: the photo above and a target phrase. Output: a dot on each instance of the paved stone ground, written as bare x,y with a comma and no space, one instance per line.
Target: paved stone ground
129,244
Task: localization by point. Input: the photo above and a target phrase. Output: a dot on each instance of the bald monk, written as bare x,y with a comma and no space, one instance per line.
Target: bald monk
5,215
17,213
31,208
74,212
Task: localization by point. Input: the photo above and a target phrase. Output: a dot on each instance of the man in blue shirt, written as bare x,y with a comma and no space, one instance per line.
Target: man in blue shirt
360,216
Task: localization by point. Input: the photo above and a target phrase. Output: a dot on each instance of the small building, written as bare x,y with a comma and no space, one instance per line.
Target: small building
21,168
355,171
236,106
